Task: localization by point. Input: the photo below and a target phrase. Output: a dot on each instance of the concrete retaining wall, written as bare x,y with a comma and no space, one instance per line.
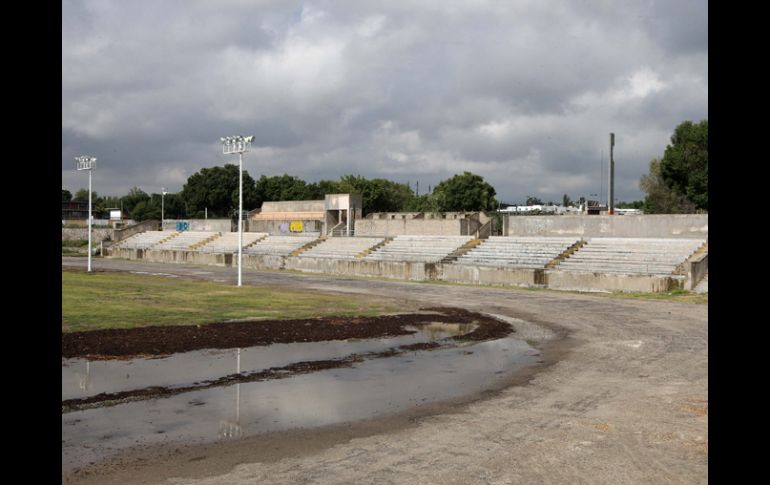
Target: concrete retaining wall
173,256
126,232
386,269
694,226
78,234
697,269
627,283
484,275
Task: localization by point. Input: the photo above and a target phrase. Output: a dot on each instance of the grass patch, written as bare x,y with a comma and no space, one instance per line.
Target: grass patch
118,300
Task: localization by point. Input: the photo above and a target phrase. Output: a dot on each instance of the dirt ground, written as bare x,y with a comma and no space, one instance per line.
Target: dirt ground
620,397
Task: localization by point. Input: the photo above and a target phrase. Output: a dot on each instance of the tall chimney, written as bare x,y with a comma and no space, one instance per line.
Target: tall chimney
611,204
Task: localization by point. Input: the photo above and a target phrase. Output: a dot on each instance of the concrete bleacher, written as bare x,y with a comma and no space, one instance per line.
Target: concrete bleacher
279,245
651,256
228,242
423,249
342,247
516,252
145,240
185,239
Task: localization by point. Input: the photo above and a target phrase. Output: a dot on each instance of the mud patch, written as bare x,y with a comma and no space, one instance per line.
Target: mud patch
161,341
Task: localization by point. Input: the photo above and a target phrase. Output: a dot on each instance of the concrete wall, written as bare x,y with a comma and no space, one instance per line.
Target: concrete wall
274,227
585,281
343,201
675,225
422,227
121,234
213,225
485,275
294,206
697,269
78,234
386,269
172,256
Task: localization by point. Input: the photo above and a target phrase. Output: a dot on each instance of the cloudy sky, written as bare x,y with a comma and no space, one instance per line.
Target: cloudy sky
521,92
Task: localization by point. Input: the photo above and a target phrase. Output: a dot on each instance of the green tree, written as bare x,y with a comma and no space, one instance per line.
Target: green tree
685,165
216,189
130,200
422,203
566,201
284,187
82,196
379,195
661,199
466,192
533,201
66,195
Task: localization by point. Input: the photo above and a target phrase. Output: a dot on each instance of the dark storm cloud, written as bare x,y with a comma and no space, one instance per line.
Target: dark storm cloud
523,93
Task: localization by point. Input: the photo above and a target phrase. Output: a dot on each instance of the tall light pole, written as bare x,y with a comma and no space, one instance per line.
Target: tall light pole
238,144
87,163
162,212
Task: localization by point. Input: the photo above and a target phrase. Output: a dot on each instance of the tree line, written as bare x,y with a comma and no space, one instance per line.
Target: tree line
213,191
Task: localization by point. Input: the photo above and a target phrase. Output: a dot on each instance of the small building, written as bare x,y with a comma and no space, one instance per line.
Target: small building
74,211
337,213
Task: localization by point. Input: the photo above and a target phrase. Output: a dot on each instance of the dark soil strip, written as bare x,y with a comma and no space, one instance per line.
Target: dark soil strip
160,340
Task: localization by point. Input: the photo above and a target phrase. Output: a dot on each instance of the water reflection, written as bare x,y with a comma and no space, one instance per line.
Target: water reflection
232,428
84,380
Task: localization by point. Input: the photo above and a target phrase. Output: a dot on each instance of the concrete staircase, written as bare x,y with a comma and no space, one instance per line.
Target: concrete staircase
566,254
681,269
255,242
307,246
370,250
452,257
206,241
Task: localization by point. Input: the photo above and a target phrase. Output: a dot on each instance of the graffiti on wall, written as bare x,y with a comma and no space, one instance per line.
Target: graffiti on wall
296,226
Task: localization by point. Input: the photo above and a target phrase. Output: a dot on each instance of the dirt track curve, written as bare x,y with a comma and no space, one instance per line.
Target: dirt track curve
621,397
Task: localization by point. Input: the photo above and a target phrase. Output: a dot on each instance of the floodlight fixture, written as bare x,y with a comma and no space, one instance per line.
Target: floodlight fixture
236,144
85,162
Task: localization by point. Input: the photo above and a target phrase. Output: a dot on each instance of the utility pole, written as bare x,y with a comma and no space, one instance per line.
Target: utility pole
611,204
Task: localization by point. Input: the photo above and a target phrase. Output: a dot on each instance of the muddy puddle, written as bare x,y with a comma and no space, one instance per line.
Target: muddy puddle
431,364
83,378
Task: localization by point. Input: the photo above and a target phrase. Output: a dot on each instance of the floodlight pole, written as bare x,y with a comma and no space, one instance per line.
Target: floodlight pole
240,221
89,221
162,212
238,144
87,163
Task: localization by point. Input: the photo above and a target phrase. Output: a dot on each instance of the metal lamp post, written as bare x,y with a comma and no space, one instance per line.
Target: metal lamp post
162,211
87,163
238,144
